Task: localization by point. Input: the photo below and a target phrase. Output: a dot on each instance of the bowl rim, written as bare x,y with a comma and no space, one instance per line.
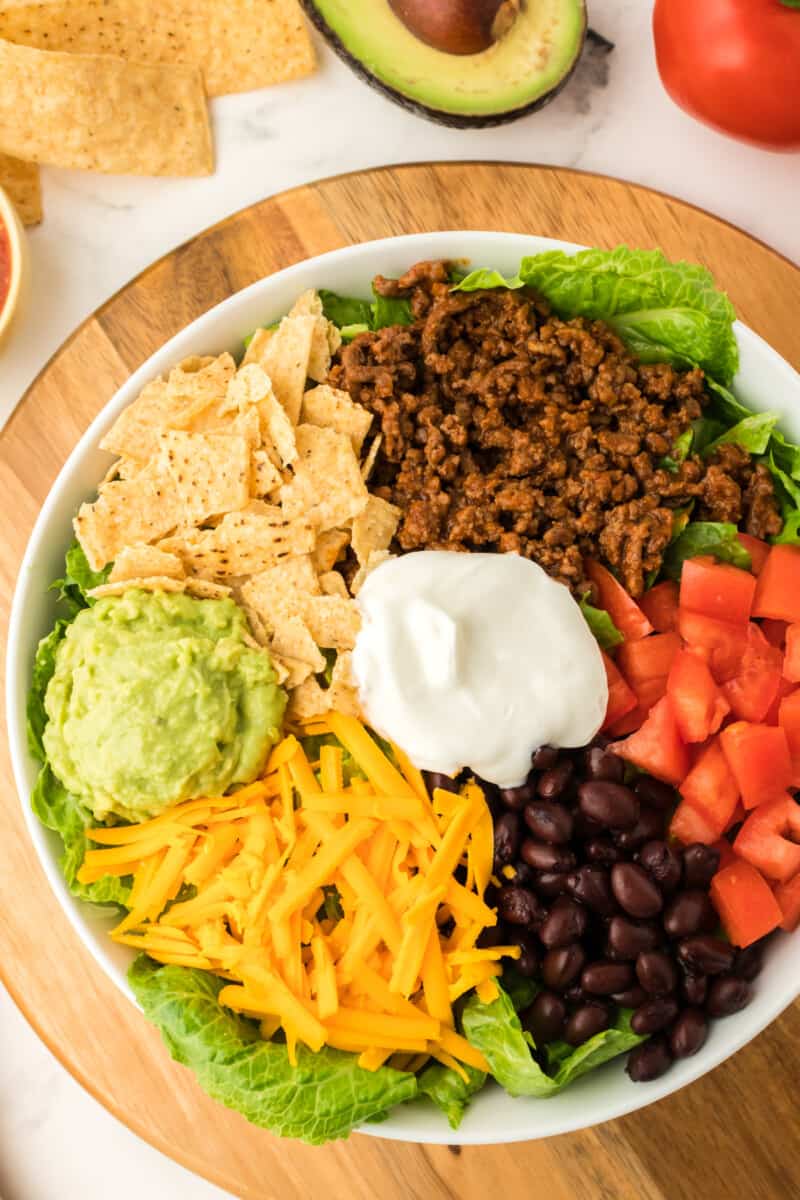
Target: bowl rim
16,240
399,1127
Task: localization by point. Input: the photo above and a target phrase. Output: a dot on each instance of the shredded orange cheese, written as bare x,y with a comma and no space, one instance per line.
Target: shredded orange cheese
376,976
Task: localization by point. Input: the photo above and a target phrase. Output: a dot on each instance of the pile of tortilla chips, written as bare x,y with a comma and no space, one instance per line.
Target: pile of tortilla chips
122,85
246,482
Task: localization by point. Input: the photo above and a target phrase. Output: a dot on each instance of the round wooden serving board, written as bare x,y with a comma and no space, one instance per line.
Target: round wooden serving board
732,1134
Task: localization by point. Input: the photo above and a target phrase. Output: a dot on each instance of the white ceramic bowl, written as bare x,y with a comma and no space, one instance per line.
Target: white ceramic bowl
765,381
18,284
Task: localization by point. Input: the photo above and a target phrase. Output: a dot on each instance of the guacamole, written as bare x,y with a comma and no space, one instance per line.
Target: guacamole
157,698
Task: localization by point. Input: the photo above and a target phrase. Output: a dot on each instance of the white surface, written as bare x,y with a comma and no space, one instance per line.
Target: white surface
99,232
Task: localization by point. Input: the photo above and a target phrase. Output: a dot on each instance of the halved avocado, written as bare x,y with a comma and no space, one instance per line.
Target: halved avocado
528,64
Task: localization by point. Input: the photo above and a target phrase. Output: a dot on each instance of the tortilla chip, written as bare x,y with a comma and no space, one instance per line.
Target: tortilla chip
204,589
256,346
290,638
333,584
374,528
280,668
203,380
137,562
343,693
243,543
333,409
375,559
327,487
334,621
308,700
23,184
326,340
368,464
125,513
292,671
239,44
329,548
152,583
247,424
285,359
103,114
266,476
209,473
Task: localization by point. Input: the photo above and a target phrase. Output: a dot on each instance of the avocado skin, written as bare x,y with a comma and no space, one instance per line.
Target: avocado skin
452,120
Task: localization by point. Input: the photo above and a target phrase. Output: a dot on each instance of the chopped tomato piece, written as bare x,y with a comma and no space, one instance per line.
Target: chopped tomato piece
774,631
697,702
660,606
791,662
622,608
721,642
758,756
789,721
725,851
711,788
778,585
657,746
629,723
621,698
752,690
690,824
757,550
645,665
764,839
717,590
745,903
737,816
784,689
788,898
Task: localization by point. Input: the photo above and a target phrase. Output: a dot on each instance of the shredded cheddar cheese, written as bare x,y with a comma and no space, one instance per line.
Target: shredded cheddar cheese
377,970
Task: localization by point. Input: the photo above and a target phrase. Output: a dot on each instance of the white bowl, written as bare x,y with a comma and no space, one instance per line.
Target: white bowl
765,381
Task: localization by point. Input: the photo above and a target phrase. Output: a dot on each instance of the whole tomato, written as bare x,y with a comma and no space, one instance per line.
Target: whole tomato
734,64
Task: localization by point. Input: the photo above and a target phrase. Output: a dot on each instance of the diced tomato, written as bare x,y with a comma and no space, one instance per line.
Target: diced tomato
621,698
622,608
788,897
791,662
778,585
721,642
660,606
737,816
657,746
764,839
711,788
752,690
697,702
690,824
758,756
745,903
774,631
789,721
784,689
757,550
717,590
725,851
629,723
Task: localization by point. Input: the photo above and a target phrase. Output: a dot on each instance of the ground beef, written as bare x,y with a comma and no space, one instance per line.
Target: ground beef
505,428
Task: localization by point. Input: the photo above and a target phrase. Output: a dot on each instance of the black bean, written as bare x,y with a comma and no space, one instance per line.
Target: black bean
436,779
548,821
604,978
550,883
690,912
585,827
517,797
632,997
528,962
688,1033
611,804
627,939
654,1015
575,996
506,840
695,988
706,955
544,758
592,886
545,1018
749,961
494,935
728,995
565,923
602,851
662,864
650,825
585,1022
554,781
700,865
635,890
543,856
562,965
600,764
523,874
518,906
655,793
648,1061
656,972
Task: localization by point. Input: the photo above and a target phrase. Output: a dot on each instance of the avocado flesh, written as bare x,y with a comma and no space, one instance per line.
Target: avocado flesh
519,72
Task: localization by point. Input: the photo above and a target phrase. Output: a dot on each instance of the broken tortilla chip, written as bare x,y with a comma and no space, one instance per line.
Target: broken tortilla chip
333,409
330,547
293,670
375,559
333,584
209,473
327,338
152,583
374,528
285,359
327,487
368,465
334,621
243,543
125,513
141,562
343,692
22,183
308,700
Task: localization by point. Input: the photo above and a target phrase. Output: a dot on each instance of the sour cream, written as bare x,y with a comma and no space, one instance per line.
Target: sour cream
476,660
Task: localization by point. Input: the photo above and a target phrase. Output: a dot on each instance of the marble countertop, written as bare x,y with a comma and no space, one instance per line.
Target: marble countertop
55,1142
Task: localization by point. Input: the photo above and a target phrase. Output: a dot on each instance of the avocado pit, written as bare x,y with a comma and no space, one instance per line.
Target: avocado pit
457,26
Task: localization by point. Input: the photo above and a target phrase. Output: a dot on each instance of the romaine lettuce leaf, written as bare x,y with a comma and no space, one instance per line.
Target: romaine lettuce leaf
345,310
44,664
663,311
449,1091
353,316
705,537
322,1098
752,433
486,277
602,626
78,580
391,311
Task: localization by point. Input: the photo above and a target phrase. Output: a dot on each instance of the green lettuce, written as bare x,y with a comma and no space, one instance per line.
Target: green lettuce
601,625
352,315
752,433
78,580
486,277
345,310
389,310
496,1031
449,1091
324,1097
705,537
44,664
663,311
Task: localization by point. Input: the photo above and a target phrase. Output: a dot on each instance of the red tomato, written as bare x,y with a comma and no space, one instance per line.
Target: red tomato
657,746
717,590
621,698
660,606
788,897
711,788
690,824
789,721
745,903
752,690
758,756
778,585
764,839
697,702
622,608
722,643
733,65
650,658
757,550
773,716
737,816
725,851
791,663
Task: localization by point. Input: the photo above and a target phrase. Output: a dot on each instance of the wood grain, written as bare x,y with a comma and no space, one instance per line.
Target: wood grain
732,1134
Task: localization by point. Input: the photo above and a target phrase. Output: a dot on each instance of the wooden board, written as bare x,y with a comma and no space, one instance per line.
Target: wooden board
732,1134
